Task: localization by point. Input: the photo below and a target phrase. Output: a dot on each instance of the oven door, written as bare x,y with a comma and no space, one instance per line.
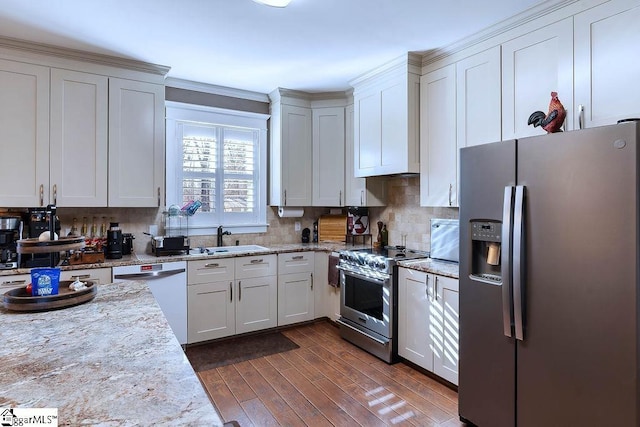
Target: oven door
367,301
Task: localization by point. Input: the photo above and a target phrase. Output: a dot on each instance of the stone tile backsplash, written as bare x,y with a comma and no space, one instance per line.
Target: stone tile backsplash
403,215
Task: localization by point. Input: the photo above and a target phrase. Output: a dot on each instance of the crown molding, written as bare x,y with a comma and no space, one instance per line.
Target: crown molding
504,26
216,90
84,56
410,62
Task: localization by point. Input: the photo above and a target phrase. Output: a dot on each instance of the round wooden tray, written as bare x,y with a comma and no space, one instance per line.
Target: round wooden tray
19,300
36,246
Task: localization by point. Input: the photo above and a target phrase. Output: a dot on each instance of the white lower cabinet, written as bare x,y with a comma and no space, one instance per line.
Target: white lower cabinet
428,322
100,276
231,296
296,302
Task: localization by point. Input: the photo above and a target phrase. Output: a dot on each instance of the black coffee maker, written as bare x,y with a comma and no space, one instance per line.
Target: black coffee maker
10,232
114,242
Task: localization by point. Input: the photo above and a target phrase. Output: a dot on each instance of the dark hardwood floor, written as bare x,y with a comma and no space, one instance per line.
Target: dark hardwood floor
327,382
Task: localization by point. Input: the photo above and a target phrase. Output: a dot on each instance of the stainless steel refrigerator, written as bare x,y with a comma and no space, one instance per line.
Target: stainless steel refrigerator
549,295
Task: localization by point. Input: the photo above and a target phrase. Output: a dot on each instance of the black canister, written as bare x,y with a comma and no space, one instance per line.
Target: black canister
114,242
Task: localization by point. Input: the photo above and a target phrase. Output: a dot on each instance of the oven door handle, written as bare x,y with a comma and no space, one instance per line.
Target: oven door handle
363,277
362,333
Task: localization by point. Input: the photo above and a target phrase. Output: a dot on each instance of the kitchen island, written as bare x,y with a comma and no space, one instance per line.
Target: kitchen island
111,361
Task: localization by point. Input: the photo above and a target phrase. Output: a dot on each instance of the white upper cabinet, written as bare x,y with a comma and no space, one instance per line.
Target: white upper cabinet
24,134
478,106
386,122
533,66
136,143
328,156
438,179
290,143
78,152
607,39
370,191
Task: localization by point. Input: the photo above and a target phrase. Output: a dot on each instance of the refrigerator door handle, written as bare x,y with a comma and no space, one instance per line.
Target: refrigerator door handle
505,261
518,259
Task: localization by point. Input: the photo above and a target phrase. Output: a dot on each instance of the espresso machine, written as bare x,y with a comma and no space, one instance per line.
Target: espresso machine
38,221
10,233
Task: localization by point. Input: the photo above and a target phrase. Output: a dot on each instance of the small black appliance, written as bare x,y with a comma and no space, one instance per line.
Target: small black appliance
114,242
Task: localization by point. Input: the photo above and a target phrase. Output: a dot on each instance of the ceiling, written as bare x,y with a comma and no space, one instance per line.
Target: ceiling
312,45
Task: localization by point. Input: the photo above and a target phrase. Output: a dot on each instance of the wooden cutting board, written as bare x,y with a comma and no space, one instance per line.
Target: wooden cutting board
332,227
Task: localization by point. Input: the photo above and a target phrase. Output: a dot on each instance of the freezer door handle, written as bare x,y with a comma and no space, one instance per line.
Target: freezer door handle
518,259
505,261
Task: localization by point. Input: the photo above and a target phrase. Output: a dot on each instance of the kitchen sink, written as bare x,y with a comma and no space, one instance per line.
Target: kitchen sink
227,249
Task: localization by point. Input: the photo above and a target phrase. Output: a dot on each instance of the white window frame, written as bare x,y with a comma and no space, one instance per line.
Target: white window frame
176,113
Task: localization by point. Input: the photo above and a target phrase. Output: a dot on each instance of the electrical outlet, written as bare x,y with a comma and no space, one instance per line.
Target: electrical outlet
153,230
297,225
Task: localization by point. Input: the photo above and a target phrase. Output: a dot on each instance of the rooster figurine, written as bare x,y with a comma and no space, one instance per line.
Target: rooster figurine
553,120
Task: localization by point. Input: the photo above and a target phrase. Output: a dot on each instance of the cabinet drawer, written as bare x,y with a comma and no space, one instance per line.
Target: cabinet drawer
296,262
256,266
99,275
210,270
14,281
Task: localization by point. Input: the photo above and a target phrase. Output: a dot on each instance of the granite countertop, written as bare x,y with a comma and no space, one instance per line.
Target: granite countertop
111,361
136,259
429,265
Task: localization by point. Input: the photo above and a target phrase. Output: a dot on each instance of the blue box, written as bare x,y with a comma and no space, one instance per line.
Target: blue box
44,281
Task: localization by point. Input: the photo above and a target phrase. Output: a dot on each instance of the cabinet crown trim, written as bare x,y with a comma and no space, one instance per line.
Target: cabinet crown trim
531,14
410,62
80,55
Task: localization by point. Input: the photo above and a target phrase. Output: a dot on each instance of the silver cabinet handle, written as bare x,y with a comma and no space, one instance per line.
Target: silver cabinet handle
505,253
518,251
41,194
361,197
231,291
212,265
240,290
580,116
435,289
158,196
297,257
55,194
257,261
450,190
311,281
285,197
13,283
340,199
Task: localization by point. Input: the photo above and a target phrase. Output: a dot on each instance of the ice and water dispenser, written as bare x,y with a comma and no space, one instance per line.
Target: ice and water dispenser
486,242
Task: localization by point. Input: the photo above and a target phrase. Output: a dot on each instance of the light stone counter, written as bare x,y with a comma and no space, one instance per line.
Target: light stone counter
113,361
429,265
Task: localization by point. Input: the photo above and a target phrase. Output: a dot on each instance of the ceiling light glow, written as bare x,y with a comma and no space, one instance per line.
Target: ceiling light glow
274,3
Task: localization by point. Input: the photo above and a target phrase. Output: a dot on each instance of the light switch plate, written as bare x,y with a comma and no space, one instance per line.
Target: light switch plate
297,225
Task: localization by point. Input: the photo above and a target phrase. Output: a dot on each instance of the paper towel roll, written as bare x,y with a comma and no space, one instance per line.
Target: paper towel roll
290,212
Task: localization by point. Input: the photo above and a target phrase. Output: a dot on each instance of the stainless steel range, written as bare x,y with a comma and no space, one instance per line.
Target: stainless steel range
368,302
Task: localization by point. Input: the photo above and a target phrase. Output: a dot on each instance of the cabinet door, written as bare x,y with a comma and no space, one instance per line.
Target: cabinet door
533,66
136,143
359,191
367,136
211,311
446,329
295,298
257,304
607,68
415,290
296,156
478,99
24,132
328,156
438,154
78,167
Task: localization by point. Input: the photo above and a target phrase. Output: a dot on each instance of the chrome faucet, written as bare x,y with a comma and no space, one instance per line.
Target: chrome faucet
220,234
